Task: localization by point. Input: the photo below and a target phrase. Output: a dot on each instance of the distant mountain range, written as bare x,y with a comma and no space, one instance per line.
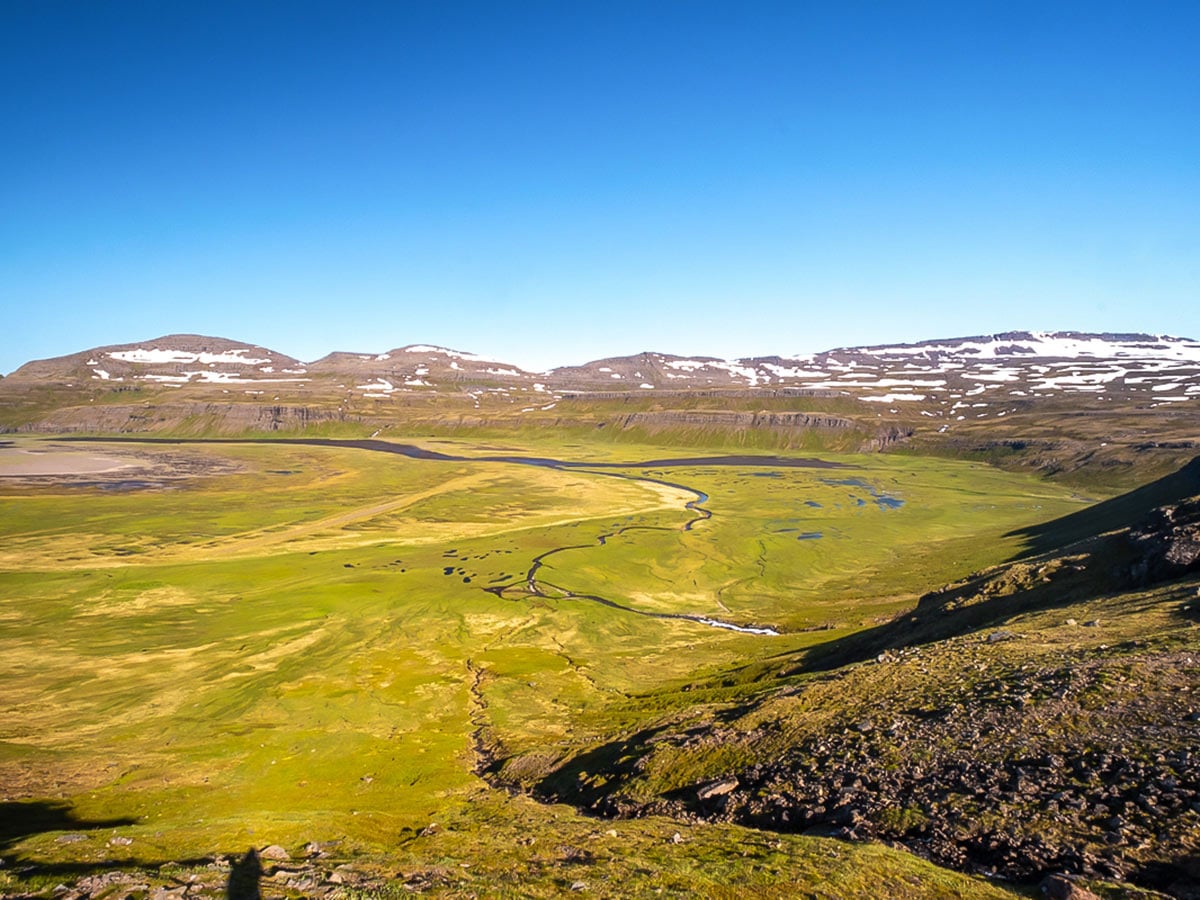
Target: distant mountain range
967,377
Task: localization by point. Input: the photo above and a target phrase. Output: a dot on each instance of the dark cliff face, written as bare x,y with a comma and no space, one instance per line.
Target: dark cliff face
723,419
218,417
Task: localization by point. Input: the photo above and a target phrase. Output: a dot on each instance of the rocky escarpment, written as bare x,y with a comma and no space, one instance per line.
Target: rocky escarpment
724,394
219,417
782,424
725,420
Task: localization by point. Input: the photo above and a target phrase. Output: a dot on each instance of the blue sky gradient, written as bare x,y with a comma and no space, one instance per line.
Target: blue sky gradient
550,182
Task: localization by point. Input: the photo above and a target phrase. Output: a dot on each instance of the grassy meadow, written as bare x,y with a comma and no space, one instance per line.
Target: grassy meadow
291,644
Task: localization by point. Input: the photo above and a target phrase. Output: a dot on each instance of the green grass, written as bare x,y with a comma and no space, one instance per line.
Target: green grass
253,657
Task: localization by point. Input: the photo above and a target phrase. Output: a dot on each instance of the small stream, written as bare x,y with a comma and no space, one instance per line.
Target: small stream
533,586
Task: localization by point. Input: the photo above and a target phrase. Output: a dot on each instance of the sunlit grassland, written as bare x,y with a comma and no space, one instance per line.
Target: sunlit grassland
802,548
301,648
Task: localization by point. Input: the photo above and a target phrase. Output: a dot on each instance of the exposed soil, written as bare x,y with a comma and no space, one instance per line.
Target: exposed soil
18,462
61,464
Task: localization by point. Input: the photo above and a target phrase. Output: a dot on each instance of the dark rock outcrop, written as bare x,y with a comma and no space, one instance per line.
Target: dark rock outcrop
218,417
1168,544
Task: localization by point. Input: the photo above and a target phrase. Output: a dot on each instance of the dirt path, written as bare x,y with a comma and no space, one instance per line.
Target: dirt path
250,543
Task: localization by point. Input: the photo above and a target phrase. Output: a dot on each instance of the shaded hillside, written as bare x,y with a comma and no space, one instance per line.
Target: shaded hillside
1038,717
1114,513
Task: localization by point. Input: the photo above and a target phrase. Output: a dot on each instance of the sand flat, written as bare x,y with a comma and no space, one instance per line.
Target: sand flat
17,462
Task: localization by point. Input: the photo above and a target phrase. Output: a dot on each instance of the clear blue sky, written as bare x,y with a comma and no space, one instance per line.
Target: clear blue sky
549,182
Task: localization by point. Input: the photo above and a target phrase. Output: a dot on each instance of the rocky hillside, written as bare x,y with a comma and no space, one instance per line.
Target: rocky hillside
1038,718
965,374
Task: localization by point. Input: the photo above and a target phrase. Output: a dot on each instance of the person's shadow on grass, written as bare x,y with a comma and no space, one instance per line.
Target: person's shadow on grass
244,878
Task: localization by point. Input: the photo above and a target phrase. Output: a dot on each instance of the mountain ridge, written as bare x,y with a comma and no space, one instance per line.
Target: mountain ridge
194,342
949,375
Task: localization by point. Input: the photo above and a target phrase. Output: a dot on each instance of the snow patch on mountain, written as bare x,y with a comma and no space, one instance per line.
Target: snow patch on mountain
1049,345
892,398
452,354
155,355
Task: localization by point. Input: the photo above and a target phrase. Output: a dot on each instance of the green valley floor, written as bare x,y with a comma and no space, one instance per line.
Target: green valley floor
331,651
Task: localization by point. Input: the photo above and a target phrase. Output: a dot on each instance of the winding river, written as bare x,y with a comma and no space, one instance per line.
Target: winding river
531,586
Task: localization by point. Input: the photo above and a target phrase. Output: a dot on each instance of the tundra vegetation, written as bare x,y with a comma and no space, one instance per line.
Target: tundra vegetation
521,661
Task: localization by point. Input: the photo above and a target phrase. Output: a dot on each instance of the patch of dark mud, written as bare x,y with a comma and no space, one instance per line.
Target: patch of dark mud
126,484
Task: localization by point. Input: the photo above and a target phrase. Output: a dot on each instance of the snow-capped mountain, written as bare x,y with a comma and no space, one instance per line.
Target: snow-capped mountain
955,373
419,366
175,360
970,377
991,370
